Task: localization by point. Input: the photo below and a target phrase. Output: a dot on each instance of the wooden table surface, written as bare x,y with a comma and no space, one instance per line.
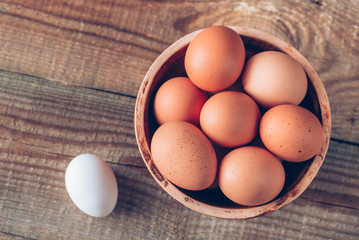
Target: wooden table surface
69,76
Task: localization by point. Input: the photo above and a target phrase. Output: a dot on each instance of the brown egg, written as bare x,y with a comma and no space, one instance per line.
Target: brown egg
178,99
291,132
251,176
214,58
272,78
230,118
184,155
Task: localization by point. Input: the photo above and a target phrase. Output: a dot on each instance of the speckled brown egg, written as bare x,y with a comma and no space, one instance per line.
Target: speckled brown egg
184,155
251,176
214,58
272,78
291,132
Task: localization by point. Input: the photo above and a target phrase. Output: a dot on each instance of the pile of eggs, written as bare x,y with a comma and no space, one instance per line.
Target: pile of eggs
214,134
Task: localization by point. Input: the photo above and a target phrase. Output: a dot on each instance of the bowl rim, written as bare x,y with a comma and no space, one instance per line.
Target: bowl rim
140,119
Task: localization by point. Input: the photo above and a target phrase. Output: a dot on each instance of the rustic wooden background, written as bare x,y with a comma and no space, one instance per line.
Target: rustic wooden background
69,75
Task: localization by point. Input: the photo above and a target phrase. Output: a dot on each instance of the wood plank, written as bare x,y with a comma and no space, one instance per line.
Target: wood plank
44,124
112,26
337,181
39,116
62,48
145,211
103,45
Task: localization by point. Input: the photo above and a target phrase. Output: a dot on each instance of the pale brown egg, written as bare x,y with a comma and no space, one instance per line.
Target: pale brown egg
178,99
272,78
214,58
184,155
291,132
230,118
251,176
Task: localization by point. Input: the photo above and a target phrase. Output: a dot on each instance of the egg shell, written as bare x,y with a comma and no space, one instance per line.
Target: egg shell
91,185
214,58
184,155
230,118
251,176
272,78
178,99
291,132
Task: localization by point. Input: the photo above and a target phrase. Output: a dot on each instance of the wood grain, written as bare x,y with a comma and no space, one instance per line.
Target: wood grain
160,219
33,163
99,44
69,75
48,116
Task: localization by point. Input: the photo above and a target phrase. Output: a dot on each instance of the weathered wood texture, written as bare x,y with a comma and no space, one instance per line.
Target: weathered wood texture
69,75
110,45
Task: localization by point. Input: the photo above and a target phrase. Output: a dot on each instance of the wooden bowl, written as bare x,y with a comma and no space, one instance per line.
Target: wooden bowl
211,201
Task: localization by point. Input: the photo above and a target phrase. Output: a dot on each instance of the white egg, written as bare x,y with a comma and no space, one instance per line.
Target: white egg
91,185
